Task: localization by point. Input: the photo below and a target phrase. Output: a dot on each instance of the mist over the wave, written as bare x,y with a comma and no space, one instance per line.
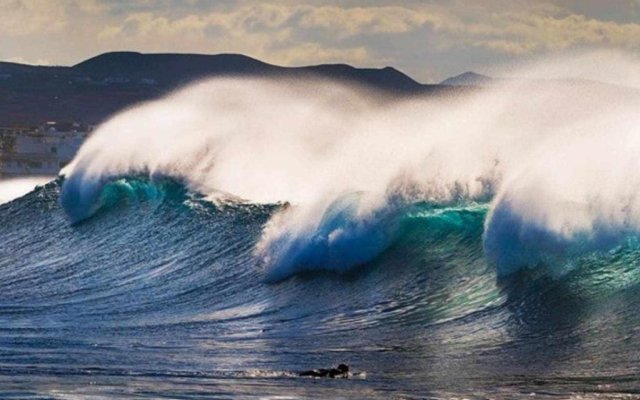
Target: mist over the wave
558,157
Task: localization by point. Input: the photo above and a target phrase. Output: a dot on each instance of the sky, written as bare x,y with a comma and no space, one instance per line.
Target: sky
427,39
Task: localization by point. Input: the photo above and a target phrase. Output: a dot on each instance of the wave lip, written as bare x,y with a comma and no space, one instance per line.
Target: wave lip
532,226
83,195
513,242
345,237
80,194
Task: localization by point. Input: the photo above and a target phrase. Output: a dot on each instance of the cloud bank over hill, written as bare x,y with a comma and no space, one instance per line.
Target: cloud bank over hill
430,40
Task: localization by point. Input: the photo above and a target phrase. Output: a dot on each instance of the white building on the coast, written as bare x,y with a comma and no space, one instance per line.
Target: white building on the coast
39,151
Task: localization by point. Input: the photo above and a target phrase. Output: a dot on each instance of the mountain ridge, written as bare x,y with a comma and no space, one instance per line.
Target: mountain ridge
96,88
468,78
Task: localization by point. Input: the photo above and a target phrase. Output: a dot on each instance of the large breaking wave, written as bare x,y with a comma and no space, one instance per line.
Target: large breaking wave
556,160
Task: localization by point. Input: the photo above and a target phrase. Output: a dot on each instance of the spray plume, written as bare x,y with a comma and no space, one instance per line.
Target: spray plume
557,158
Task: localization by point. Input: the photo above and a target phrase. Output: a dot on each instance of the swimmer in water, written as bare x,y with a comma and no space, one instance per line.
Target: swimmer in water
341,372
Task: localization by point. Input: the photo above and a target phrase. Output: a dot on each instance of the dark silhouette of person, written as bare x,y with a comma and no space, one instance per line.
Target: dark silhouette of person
341,372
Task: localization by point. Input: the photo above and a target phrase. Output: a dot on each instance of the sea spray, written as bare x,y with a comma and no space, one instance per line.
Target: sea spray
558,155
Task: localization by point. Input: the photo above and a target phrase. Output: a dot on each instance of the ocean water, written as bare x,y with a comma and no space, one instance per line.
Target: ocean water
215,243
158,296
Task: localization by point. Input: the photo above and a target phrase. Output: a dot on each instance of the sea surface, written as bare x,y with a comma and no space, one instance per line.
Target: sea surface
158,295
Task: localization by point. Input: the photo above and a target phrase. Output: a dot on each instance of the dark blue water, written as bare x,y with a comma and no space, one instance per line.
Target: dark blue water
159,295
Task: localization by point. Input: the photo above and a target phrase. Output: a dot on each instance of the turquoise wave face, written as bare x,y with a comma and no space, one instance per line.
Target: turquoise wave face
82,196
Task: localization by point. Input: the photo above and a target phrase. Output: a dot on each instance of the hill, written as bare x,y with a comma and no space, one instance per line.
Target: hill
94,89
468,79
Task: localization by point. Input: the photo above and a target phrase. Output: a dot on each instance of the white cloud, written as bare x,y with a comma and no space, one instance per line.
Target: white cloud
25,17
412,35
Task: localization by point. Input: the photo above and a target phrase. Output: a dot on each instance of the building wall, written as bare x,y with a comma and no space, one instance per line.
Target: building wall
41,151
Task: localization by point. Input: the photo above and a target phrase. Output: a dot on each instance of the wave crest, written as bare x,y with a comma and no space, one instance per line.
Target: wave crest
561,156
82,197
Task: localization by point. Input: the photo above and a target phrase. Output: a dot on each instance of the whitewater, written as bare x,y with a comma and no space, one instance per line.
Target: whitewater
474,242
